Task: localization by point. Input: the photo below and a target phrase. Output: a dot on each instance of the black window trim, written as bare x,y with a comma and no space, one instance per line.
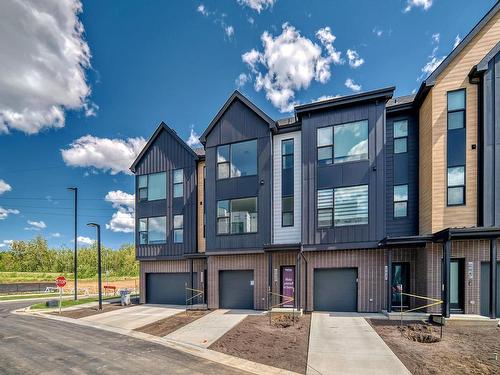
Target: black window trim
398,138
147,230
177,183
217,217
448,187
231,157
288,212
325,209
138,189
394,201
174,229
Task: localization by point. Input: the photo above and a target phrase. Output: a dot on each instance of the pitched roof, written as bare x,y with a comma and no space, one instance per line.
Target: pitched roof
236,95
400,100
483,64
155,135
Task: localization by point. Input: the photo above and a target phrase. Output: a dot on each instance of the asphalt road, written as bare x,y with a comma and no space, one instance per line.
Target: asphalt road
33,345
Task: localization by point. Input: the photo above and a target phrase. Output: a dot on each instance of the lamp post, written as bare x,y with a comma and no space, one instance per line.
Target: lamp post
99,280
75,259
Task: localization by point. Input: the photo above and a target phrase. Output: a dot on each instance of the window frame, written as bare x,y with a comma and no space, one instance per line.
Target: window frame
174,184
176,229
330,146
342,162
448,187
325,209
367,211
284,155
405,137
229,216
146,187
292,211
229,162
464,109
394,201
139,232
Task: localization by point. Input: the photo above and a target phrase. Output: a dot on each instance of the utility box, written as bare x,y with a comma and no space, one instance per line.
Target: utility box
125,297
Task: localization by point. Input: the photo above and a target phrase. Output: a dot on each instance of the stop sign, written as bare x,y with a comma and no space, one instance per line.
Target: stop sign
61,281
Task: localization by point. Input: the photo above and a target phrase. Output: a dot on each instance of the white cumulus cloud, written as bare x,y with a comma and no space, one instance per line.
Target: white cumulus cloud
229,30
5,212
114,155
43,61
290,62
257,5
123,219
194,139
201,9
4,187
354,60
84,240
242,80
457,41
36,225
424,4
350,84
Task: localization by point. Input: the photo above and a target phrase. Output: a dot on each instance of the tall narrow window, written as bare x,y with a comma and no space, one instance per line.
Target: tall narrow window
152,186
325,207
223,217
178,228
223,164
400,136
325,145
351,205
456,146
400,200
142,185
287,191
178,180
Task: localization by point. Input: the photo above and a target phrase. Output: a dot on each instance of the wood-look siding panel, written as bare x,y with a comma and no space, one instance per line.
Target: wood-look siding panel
371,172
165,155
239,123
287,234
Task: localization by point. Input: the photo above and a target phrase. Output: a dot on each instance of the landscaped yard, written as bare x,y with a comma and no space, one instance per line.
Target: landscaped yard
464,349
168,325
70,302
280,344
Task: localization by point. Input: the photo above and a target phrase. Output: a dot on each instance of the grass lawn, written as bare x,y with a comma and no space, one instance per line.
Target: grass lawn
19,277
71,302
28,296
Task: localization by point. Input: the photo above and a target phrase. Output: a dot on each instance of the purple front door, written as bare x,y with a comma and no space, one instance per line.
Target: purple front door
287,285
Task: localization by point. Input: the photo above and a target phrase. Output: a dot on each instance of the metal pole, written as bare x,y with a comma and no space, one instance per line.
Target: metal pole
99,277
389,280
493,277
446,277
75,259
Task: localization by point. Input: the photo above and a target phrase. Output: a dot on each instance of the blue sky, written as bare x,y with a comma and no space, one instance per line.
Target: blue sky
135,64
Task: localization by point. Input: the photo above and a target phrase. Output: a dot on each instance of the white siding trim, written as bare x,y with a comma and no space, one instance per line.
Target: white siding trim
287,234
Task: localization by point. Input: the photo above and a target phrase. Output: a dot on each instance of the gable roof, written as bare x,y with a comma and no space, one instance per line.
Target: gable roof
236,95
155,135
431,79
483,64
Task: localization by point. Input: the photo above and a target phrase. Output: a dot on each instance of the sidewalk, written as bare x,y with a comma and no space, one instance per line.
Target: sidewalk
346,344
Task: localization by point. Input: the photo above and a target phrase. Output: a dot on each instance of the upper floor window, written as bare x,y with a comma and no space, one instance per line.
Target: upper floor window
178,180
287,211
456,109
325,207
178,228
153,230
152,186
456,186
287,154
350,140
400,136
237,216
400,200
351,205
456,148
237,159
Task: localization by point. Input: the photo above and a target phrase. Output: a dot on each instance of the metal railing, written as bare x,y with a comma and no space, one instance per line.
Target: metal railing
286,300
198,293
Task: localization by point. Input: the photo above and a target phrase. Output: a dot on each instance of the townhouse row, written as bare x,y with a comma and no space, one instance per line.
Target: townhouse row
337,206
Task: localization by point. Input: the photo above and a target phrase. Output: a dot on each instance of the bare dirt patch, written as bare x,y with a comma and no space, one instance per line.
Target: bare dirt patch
464,349
168,325
282,344
89,311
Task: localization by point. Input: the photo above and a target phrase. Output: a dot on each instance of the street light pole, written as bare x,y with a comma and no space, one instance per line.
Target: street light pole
99,280
75,258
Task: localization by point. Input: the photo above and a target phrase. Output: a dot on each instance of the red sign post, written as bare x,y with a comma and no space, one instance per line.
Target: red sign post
60,283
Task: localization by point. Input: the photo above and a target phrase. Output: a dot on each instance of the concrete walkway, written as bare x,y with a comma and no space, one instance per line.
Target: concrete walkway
344,343
205,331
135,316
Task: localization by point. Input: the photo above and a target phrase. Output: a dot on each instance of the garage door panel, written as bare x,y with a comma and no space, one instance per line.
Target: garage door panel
336,289
168,288
236,290
485,289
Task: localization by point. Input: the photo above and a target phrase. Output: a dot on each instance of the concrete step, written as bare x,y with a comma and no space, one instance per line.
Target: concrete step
406,316
197,306
286,310
465,319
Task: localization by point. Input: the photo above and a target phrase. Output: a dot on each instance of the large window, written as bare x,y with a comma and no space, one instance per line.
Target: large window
152,230
237,216
152,186
325,207
342,143
178,228
287,160
351,205
400,136
178,180
456,148
237,160
456,186
400,201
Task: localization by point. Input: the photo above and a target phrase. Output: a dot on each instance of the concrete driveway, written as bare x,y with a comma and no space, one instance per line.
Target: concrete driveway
205,331
344,343
135,316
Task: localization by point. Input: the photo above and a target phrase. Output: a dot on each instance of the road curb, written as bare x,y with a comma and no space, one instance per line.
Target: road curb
211,355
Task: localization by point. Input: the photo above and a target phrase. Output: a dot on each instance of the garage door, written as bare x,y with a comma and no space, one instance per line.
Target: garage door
485,289
168,288
335,289
236,289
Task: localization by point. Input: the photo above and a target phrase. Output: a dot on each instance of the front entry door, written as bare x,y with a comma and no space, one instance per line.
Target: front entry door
400,276
457,276
287,285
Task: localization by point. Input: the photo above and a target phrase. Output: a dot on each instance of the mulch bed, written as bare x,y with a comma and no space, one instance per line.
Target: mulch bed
89,311
168,325
464,349
280,344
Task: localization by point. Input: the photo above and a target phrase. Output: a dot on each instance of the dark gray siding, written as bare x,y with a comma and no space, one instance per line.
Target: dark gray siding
402,169
491,144
166,154
239,123
370,172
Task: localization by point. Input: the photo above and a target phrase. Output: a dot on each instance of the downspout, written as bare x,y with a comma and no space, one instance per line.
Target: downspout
301,255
